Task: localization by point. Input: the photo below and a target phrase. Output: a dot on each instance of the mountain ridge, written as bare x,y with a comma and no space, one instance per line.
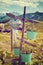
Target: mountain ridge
29,16
34,16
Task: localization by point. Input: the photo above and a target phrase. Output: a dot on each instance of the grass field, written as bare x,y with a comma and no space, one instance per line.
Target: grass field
5,43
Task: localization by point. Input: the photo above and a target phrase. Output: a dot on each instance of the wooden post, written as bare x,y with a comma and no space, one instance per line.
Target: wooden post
23,28
11,40
22,34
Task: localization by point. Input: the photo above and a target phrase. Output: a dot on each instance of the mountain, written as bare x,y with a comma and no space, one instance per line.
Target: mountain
4,18
30,16
2,14
34,16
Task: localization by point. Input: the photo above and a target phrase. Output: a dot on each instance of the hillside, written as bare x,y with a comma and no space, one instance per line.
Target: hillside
4,18
34,16
30,16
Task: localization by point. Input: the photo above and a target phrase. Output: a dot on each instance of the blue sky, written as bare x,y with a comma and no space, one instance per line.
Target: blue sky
18,5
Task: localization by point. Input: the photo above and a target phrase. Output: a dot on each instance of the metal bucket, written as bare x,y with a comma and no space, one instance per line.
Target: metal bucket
31,35
17,51
26,57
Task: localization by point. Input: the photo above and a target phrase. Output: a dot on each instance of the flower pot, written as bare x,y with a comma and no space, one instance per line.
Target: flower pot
17,51
26,57
31,35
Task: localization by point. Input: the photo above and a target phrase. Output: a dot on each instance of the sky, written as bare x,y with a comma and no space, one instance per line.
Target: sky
32,6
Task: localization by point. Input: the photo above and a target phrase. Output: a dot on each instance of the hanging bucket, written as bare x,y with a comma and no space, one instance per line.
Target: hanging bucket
17,51
31,35
26,57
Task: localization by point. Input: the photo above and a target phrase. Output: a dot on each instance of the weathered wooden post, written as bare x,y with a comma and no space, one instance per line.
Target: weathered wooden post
22,34
11,40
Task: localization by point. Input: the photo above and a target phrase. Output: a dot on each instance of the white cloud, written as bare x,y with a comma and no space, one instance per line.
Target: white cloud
6,6
34,0
10,1
21,2
5,11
